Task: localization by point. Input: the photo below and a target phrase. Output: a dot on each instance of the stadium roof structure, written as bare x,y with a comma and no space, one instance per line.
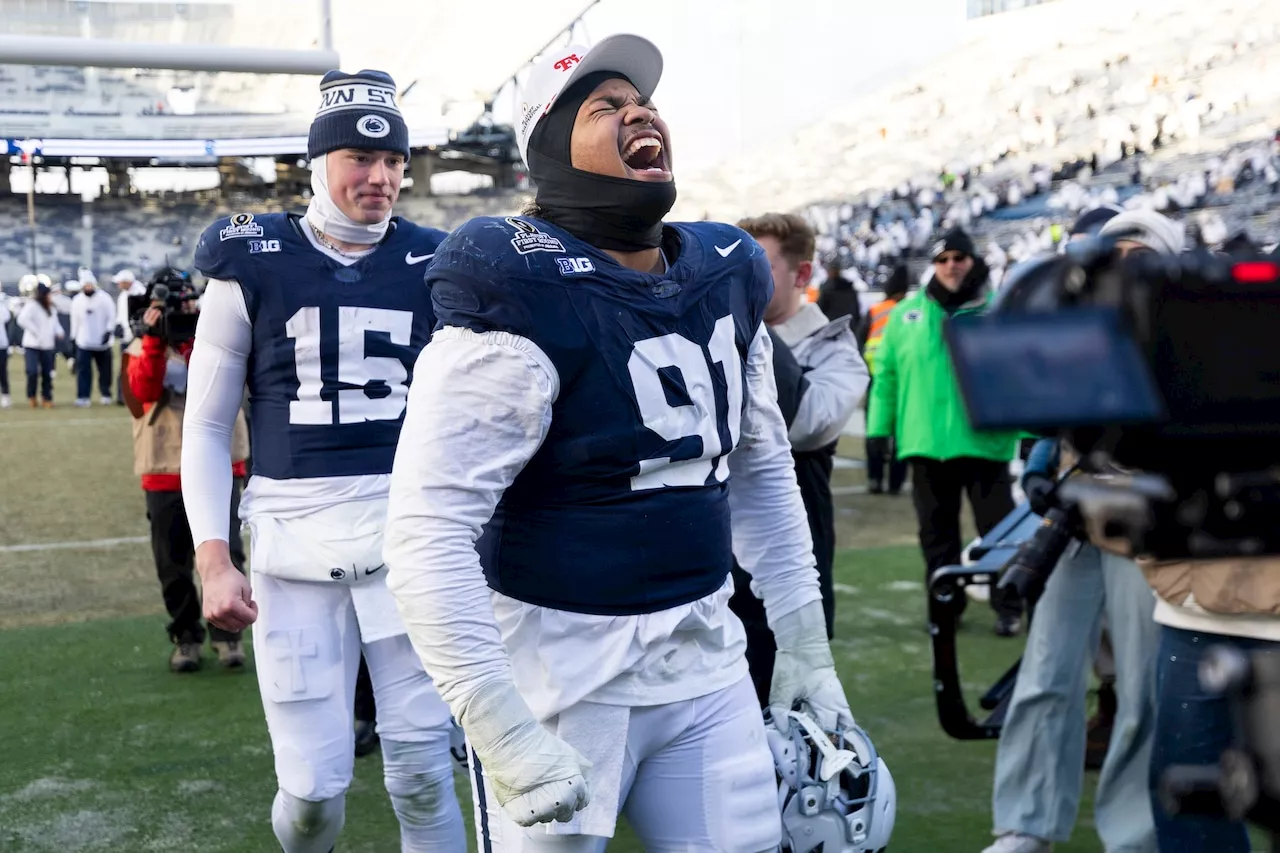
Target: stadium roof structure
449,60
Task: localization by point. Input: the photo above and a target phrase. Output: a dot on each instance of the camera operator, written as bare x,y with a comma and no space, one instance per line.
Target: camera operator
1040,761
155,392
1201,604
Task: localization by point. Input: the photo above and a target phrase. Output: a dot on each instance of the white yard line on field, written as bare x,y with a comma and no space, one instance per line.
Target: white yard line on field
88,543
61,422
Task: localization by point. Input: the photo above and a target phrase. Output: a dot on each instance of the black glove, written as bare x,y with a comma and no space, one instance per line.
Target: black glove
1038,488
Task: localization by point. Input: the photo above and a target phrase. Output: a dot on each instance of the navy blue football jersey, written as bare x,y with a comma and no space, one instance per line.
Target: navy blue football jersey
624,507
333,345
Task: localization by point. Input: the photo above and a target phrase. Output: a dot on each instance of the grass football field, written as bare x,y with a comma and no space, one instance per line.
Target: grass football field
102,749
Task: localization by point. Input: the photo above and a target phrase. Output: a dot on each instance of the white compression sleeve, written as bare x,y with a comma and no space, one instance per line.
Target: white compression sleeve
479,408
770,529
215,388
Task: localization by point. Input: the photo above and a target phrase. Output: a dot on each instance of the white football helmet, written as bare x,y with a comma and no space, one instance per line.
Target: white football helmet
835,792
27,285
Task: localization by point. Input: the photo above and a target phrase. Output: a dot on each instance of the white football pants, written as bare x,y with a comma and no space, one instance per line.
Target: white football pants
696,776
307,643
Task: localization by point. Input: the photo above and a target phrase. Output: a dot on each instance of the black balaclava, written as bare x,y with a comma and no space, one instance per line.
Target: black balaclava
609,213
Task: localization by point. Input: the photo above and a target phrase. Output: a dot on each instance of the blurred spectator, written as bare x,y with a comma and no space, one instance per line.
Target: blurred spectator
41,333
838,297
880,451
61,300
93,319
915,401
5,317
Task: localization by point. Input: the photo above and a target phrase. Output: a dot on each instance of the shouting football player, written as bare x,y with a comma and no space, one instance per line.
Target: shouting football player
558,535
324,315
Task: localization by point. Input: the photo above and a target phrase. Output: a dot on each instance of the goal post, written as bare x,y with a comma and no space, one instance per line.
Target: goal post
104,53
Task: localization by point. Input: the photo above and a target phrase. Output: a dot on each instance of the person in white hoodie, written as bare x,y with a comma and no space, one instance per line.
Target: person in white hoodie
5,316
93,319
41,332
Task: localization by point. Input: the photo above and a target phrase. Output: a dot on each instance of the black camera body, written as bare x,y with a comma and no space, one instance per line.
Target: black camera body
1161,372
170,290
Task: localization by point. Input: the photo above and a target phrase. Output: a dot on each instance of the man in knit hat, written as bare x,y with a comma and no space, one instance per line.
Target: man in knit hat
915,401
1045,745
324,316
1145,231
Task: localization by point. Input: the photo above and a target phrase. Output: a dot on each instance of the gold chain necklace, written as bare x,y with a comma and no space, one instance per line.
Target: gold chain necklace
324,241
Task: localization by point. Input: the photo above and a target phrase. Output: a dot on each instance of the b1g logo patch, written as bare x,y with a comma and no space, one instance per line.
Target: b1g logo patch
242,225
529,239
258,246
575,266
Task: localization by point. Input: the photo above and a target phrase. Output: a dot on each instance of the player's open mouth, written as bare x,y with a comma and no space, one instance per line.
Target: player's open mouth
645,156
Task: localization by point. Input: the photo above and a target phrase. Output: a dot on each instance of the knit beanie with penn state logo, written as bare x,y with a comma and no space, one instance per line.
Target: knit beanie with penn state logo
358,111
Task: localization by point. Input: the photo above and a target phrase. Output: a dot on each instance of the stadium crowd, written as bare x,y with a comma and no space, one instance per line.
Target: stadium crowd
1024,215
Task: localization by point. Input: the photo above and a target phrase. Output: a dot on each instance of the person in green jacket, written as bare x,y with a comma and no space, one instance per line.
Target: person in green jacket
915,401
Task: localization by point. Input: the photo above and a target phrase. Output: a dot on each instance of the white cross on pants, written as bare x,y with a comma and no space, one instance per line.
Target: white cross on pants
289,649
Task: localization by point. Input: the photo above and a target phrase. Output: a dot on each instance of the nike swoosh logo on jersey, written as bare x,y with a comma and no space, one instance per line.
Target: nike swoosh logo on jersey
410,258
728,250
368,572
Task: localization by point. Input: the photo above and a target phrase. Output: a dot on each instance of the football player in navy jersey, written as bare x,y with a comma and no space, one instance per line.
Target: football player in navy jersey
323,315
592,433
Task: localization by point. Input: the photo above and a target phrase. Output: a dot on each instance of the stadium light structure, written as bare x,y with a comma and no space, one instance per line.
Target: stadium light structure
104,53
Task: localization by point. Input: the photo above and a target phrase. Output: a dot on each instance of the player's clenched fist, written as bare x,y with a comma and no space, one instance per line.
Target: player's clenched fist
536,776
228,598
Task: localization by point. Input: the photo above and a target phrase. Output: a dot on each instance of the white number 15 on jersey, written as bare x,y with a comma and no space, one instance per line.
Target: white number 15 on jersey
355,369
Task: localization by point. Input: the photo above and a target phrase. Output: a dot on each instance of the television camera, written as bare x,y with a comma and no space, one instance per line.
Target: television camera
1161,374
172,291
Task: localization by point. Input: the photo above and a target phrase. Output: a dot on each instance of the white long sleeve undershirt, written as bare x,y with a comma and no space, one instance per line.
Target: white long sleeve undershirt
215,388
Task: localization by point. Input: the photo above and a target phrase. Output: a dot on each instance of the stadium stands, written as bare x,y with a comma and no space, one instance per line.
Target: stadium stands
1036,114
42,101
1043,85
151,230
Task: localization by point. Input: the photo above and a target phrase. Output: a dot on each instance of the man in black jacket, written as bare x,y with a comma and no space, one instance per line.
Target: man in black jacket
839,298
